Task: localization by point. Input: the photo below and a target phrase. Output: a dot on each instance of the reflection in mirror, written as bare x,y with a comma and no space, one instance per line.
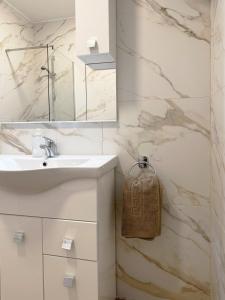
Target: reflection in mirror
61,84
41,78
100,98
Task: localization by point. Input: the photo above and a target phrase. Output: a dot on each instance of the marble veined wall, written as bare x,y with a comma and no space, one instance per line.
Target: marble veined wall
75,93
60,34
218,149
23,85
16,75
164,112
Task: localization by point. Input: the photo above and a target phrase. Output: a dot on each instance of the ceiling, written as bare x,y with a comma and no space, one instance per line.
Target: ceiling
44,10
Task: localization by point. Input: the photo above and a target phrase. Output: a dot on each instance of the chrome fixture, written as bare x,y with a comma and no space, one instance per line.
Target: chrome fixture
43,68
49,146
143,163
28,48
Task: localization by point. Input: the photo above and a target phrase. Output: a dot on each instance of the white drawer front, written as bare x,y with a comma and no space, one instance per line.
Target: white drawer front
70,279
70,239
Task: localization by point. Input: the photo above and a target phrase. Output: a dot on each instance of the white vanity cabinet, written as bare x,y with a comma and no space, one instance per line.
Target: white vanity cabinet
96,30
58,243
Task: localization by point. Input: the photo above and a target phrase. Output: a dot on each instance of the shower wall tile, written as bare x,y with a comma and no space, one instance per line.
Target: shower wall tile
23,85
61,34
14,33
13,27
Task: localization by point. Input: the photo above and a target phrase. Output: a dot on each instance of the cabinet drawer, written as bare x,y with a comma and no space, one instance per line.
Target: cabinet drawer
67,278
80,239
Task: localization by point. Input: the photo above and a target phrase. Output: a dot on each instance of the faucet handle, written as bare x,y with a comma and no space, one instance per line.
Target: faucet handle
51,145
48,141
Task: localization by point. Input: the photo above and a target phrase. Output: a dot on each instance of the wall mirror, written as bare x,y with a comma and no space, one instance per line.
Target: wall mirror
41,79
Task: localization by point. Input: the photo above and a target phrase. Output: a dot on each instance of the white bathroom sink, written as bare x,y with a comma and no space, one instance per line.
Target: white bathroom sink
38,174
12,163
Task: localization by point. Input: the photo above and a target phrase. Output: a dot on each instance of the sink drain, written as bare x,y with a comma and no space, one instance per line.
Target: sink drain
45,164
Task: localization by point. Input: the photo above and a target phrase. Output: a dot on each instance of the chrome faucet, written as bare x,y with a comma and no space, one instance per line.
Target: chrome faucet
49,146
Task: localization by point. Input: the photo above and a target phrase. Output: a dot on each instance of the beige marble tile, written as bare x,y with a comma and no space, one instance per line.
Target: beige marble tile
174,265
23,86
165,45
163,90
218,150
77,140
218,261
164,130
101,93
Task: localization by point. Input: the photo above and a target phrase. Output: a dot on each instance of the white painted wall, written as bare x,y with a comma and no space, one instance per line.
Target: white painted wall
44,10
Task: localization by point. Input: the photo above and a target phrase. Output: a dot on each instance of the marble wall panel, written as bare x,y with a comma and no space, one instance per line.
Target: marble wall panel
218,147
163,71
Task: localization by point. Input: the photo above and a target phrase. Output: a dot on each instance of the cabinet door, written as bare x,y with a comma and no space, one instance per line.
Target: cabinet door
96,30
21,271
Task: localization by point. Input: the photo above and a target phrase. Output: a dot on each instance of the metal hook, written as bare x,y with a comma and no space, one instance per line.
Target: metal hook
142,163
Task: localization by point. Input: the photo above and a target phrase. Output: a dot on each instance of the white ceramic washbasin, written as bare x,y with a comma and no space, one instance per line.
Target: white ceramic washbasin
38,174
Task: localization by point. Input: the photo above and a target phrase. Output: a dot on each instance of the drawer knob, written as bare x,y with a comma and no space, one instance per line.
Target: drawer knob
69,281
19,237
67,244
92,42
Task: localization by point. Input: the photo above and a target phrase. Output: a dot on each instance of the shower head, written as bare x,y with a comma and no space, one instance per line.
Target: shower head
43,68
